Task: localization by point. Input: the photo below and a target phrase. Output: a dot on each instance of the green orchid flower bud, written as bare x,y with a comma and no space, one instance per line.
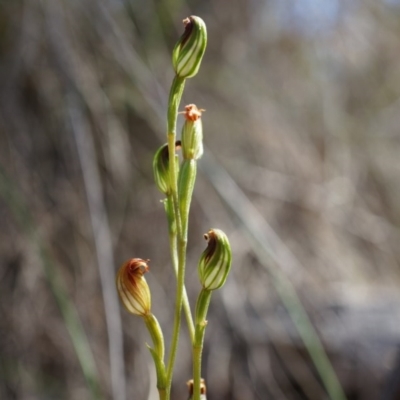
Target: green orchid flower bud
161,168
215,262
132,287
189,50
192,133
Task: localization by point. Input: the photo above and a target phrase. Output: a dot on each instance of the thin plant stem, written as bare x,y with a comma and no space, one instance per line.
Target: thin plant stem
173,106
175,96
156,335
197,355
187,178
162,394
157,352
203,302
174,256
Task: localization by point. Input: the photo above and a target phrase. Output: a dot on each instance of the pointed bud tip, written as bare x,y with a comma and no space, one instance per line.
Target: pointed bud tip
138,265
192,113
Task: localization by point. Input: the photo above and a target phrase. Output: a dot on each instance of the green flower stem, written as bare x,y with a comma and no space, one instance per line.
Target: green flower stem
187,178
173,106
157,353
156,334
182,242
203,301
162,394
174,255
175,96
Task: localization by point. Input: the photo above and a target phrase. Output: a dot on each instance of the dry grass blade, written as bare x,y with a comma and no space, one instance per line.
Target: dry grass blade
278,259
73,324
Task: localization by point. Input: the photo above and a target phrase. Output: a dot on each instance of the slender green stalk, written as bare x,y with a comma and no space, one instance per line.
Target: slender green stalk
157,353
156,335
173,106
162,394
196,354
174,255
203,301
178,308
175,96
187,178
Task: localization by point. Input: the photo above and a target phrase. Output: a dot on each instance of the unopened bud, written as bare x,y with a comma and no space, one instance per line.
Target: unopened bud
192,133
215,262
189,50
132,287
161,168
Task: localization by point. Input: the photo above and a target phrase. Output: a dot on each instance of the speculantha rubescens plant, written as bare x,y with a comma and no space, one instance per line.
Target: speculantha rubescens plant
175,178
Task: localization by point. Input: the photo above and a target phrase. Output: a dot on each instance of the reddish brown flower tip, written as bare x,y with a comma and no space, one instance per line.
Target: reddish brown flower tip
192,113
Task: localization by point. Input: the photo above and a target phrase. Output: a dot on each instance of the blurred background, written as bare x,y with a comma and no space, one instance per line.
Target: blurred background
301,170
